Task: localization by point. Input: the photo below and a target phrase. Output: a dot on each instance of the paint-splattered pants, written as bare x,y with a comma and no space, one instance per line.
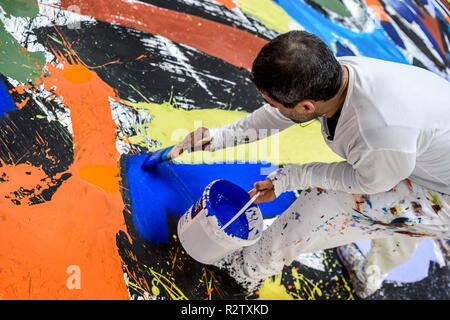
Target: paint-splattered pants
321,219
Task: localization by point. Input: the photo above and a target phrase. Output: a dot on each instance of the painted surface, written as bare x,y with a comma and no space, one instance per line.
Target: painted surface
87,87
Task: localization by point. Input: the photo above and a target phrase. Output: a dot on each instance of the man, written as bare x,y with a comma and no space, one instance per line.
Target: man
390,121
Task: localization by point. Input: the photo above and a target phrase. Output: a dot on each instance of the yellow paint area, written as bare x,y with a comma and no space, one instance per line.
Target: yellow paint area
272,289
170,125
303,288
269,13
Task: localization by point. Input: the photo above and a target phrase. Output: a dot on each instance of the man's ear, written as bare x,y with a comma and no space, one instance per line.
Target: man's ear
306,106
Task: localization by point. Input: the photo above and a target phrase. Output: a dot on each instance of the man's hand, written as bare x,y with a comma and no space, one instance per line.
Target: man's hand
267,191
195,141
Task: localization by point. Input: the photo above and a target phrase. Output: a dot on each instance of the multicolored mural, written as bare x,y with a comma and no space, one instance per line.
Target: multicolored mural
88,87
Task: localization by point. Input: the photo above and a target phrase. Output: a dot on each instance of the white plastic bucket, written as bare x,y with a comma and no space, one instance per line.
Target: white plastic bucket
199,229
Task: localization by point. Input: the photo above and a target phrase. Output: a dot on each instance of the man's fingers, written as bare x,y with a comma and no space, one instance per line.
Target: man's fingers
257,200
206,142
175,152
265,196
259,185
201,144
252,194
185,146
263,185
266,190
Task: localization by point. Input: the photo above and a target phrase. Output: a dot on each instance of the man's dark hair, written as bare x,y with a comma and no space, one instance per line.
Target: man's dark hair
295,66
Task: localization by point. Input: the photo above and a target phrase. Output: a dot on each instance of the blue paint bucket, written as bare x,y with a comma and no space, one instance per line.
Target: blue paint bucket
200,228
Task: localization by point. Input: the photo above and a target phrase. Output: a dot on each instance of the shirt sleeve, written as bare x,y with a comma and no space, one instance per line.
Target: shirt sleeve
375,171
261,123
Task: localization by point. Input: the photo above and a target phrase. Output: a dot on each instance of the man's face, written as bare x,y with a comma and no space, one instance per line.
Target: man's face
296,114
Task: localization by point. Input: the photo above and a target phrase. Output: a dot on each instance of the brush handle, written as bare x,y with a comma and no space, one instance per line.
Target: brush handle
245,207
165,153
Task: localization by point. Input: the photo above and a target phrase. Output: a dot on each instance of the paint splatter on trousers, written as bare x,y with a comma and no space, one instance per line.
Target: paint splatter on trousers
322,219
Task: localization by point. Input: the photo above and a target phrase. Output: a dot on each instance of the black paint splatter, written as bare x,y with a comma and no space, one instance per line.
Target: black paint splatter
148,68
27,138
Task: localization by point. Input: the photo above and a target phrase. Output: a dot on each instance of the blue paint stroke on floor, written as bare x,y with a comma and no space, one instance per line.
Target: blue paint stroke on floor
416,268
375,44
171,188
6,102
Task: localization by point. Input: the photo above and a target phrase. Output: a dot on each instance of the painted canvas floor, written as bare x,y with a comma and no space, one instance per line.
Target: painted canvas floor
157,199
87,87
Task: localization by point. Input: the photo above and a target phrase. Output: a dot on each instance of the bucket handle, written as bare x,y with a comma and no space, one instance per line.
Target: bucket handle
245,207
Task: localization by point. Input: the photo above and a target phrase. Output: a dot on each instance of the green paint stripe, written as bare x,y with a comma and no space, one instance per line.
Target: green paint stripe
20,8
19,63
335,6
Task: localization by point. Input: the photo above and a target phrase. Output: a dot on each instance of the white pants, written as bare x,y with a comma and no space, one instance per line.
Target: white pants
396,221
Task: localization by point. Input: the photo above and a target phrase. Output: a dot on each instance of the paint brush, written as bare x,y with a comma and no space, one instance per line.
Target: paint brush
156,158
245,207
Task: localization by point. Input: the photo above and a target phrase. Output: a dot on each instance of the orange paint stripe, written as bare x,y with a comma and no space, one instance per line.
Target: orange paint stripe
228,43
446,3
228,3
433,27
378,10
79,225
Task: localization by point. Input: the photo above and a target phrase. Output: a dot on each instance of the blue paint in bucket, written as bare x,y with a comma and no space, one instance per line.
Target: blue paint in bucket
200,227
225,200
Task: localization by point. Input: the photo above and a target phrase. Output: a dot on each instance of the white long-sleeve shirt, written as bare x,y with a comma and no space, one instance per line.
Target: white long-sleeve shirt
394,124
